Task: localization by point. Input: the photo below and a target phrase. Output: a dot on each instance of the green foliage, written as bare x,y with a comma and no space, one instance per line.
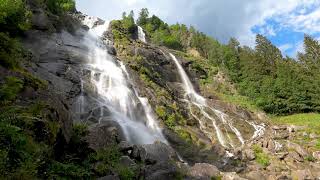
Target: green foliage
216,178
267,80
310,158
32,80
161,111
143,17
10,52
261,157
14,16
239,100
60,6
128,23
170,121
311,121
24,152
59,170
10,89
124,29
184,135
109,161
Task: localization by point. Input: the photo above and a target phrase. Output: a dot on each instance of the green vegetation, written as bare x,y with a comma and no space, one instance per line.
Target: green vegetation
216,178
159,31
60,6
276,84
109,161
30,148
10,89
310,121
14,16
261,157
23,148
32,143
10,52
123,30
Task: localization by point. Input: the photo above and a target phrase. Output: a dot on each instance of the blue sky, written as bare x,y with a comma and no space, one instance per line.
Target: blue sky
284,22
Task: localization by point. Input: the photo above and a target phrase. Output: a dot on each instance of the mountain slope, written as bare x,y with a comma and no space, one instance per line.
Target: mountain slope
59,119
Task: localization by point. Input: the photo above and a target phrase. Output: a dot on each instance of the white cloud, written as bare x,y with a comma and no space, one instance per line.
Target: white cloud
285,47
298,47
221,19
268,30
306,23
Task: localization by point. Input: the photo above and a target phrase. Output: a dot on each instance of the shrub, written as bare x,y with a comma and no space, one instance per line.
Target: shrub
11,88
109,161
161,111
14,16
185,135
59,170
60,6
10,51
18,152
261,157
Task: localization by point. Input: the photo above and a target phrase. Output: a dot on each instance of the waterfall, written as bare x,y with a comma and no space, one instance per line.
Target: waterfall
141,34
209,116
114,90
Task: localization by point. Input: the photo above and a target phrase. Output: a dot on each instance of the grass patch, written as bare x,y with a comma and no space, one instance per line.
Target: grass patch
10,89
261,157
109,161
241,101
311,121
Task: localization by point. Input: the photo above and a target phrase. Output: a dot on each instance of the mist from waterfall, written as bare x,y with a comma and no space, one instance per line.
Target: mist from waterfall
110,80
220,121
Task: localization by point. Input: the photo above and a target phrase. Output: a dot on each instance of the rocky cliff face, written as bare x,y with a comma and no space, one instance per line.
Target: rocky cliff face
58,55
270,156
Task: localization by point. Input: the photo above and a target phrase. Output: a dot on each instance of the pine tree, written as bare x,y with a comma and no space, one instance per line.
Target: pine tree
143,17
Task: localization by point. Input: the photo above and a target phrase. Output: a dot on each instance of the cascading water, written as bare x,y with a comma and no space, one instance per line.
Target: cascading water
209,117
109,78
141,35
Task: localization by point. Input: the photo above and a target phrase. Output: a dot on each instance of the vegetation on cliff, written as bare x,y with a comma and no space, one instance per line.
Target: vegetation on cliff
32,145
276,84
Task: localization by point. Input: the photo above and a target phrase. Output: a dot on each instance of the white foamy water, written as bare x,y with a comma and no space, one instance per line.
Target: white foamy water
110,79
141,35
220,121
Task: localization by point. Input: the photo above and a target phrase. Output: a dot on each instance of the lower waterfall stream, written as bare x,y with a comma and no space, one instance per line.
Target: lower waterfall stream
210,118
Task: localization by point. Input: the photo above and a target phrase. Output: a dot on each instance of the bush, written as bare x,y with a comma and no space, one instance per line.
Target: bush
261,157
18,152
109,161
161,111
60,6
14,16
59,170
11,88
10,51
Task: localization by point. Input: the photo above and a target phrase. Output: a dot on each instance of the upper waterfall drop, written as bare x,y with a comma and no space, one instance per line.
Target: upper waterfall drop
141,35
219,120
110,79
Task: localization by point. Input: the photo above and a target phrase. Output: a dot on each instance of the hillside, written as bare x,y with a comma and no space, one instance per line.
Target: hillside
88,99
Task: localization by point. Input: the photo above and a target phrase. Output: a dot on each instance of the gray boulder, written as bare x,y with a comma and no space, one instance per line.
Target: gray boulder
161,171
204,171
153,153
102,135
